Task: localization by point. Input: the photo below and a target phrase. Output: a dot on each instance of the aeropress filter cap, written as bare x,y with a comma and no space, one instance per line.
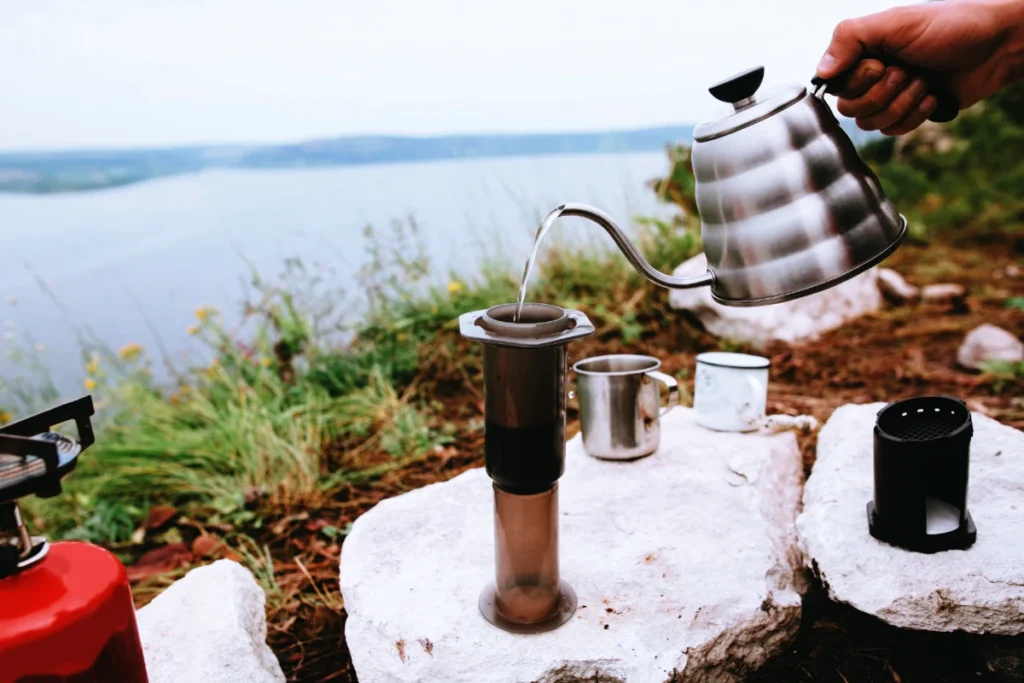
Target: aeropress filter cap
922,458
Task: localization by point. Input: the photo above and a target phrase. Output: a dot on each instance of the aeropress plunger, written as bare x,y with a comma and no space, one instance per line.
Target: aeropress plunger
525,367
922,458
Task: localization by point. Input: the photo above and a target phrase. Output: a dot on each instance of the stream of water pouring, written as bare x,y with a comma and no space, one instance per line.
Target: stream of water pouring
546,223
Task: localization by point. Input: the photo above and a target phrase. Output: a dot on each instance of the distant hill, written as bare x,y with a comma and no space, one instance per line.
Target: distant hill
368,150
77,171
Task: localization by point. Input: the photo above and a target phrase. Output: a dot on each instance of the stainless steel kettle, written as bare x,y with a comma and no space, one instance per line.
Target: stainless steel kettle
787,206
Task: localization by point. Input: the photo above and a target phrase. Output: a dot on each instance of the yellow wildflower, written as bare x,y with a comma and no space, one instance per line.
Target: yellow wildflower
205,312
193,329
130,352
174,399
184,389
434,309
93,365
454,287
90,384
5,417
212,370
265,362
401,336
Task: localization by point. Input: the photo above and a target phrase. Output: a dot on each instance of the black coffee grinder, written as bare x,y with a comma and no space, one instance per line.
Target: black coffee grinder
525,369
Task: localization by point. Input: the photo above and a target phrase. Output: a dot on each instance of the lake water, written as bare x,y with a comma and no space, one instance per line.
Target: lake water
133,263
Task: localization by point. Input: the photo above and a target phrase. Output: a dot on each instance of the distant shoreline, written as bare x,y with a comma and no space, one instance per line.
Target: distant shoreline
44,173
87,170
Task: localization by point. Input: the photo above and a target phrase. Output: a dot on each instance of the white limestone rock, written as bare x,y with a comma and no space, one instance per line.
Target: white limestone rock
804,319
685,562
943,293
895,288
978,590
986,343
209,627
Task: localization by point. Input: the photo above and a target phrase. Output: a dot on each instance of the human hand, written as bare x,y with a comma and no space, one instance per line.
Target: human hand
975,46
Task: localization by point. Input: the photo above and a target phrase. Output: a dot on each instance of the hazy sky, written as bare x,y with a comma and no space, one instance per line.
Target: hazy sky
86,73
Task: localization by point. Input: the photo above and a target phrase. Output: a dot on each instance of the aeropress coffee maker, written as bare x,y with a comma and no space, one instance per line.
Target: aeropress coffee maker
922,459
525,370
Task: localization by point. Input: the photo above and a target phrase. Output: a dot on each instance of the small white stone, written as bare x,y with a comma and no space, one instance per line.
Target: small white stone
942,293
209,627
804,319
684,560
978,590
895,288
986,343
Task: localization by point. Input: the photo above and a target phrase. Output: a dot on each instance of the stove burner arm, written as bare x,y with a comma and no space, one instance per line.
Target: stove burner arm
79,410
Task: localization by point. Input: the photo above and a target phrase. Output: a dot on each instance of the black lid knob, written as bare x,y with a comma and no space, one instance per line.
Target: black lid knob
738,87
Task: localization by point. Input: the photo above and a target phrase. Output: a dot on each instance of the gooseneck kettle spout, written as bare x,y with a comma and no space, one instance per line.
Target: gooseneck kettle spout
629,250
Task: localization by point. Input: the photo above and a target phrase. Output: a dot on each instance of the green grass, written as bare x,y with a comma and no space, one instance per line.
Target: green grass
283,416
971,187
1005,375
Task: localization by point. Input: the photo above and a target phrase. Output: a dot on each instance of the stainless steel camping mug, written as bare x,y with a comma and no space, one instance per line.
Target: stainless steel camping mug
620,405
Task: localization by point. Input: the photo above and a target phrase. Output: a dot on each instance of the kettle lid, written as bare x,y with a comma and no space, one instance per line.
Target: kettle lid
739,91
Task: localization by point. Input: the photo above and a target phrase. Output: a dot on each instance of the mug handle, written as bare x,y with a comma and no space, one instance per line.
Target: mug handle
757,387
673,390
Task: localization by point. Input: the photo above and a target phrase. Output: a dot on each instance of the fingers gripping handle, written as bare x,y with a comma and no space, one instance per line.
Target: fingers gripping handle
947,106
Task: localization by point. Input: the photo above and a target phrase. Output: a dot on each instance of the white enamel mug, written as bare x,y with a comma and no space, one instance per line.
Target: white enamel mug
731,391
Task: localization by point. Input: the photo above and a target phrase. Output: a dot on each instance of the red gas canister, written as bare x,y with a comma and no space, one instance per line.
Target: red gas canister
66,611
70,618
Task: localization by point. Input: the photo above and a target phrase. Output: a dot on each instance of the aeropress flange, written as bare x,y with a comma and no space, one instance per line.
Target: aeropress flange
525,368
922,458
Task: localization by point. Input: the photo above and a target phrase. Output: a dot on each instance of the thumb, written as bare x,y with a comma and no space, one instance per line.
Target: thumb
851,39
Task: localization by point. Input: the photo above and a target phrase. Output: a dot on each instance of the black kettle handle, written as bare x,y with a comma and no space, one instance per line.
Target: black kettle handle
947,107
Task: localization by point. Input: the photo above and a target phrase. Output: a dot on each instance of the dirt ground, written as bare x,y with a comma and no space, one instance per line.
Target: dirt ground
902,351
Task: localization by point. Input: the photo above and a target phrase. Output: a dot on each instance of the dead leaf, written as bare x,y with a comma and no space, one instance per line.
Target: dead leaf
281,525
203,526
159,515
159,561
317,524
206,546
169,537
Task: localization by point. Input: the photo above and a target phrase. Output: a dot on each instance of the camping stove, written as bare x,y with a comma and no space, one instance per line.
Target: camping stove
66,612
525,365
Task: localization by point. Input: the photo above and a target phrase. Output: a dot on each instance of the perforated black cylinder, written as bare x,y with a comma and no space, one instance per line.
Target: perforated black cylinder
922,449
